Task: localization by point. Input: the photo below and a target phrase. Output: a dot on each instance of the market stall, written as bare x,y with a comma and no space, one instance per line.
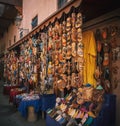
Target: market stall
70,67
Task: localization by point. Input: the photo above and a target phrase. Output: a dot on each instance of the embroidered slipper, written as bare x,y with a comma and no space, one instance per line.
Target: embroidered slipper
60,30
50,31
74,52
99,46
73,84
64,50
68,24
64,41
57,44
106,47
68,54
57,26
50,44
74,34
43,37
82,115
78,23
91,114
64,27
80,64
79,35
105,33
106,59
113,42
107,85
73,19
84,118
80,49
80,100
76,113
60,57
97,73
88,122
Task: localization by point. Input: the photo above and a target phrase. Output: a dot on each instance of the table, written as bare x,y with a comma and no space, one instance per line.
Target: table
17,99
106,116
42,104
7,88
14,92
24,104
48,101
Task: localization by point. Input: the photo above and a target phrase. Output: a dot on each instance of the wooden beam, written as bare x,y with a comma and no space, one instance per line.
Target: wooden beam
19,9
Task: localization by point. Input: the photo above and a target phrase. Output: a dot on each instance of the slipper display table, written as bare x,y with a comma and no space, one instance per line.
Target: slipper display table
48,101
106,116
18,98
7,88
14,92
34,101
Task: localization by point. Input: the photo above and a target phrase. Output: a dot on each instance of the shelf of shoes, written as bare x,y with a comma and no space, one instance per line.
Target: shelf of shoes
34,64
28,65
66,52
45,64
107,52
78,107
11,67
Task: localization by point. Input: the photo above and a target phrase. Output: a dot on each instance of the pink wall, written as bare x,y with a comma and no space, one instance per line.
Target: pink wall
31,8
9,36
42,8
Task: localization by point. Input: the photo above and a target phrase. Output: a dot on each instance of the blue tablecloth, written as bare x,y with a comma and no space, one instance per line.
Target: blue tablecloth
48,101
17,100
106,116
25,104
45,102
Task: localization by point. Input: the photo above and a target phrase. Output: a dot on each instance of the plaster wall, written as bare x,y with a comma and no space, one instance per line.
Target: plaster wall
42,8
31,8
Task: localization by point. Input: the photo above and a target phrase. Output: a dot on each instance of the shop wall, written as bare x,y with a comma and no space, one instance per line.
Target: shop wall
42,8
8,38
12,32
2,43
